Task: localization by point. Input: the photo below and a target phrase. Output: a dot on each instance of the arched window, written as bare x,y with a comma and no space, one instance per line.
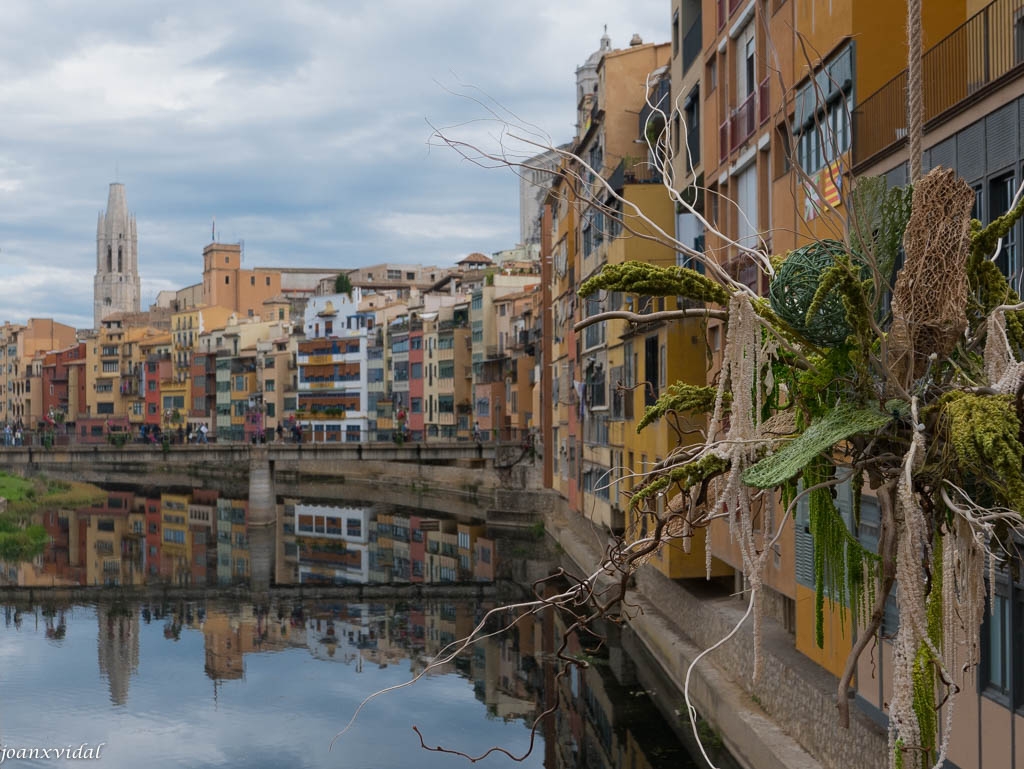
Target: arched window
110,258
120,263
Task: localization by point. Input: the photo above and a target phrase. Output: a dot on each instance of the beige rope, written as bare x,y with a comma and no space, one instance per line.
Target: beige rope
915,98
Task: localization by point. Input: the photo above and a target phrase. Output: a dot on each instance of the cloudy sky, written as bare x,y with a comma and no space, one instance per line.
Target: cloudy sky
301,126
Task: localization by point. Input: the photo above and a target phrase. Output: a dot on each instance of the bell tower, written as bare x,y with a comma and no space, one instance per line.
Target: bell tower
116,287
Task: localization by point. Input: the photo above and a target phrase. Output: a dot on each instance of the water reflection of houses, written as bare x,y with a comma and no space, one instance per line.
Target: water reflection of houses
117,642
232,541
229,635
199,537
606,719
332,543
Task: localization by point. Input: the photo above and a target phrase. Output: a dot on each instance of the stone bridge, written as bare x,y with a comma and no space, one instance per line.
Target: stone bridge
496,482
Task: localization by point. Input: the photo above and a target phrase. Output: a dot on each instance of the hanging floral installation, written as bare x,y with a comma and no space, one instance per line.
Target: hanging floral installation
917,401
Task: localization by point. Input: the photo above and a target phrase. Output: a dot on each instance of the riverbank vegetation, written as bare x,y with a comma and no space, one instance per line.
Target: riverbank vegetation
22,538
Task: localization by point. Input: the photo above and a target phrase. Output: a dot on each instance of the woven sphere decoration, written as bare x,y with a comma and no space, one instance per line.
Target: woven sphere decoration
793,288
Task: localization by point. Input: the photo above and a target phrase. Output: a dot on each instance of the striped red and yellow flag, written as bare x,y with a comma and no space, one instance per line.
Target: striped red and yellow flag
831,184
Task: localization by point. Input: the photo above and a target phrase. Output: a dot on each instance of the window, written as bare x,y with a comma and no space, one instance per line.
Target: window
109,366
227,280
595,385
416,406
353,527
239,382
416,371
712,75
394,274
651,375
446,404
268,283
1001,193
821,123
268,386
691,121
104,408
410,276
104,387
252,280
446,369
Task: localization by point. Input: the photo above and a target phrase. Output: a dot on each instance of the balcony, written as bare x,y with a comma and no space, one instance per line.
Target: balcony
973,60
743,121
637,172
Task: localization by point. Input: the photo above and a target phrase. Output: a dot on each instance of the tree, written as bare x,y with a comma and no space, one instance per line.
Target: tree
343,285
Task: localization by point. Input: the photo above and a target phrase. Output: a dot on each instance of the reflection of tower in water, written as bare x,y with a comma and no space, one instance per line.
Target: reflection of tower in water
118,646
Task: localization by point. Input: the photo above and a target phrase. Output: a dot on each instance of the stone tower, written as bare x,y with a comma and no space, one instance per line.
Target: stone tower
116,287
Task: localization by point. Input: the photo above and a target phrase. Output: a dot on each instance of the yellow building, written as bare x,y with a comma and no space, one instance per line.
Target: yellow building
447,386
175,539
186,326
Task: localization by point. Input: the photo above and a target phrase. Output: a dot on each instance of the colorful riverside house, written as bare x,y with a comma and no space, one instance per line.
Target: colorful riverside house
63,386
414,421
333,393
491,354
612,142
232,541
186,327
448,373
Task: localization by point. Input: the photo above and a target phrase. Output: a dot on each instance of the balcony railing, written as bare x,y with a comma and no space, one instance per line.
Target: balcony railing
983,51
742,122
636,172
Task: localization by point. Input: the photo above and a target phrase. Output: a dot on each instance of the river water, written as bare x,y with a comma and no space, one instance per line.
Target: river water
215,657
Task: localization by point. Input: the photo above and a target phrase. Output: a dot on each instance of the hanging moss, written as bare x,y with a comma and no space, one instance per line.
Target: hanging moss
840,561
923,672
686,475
983,431
680,397
984,239
651,280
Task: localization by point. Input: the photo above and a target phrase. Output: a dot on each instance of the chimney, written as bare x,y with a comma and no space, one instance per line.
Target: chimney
636,40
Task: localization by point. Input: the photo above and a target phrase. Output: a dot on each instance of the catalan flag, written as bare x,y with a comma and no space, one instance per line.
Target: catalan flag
831,184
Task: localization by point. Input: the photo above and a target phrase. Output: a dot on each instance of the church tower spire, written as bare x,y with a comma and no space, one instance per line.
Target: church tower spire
116,287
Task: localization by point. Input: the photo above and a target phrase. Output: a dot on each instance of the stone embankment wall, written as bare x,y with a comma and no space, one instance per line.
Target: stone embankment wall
499,483
788,720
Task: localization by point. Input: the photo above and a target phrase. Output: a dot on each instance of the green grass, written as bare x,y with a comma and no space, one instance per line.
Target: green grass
15,489
21,540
